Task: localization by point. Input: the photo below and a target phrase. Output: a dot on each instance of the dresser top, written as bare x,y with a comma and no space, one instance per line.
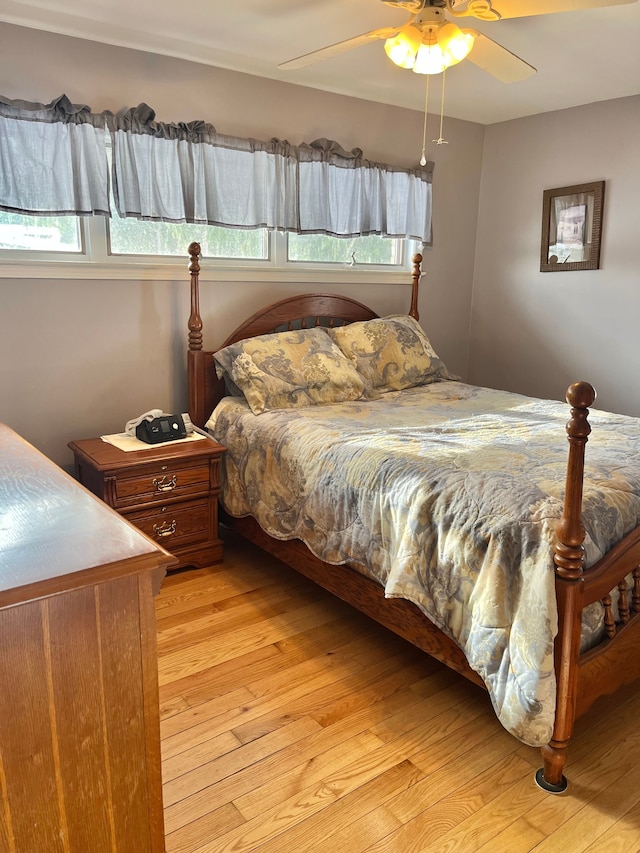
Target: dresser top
54,534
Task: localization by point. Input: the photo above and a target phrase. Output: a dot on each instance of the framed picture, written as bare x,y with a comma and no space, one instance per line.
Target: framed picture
571,227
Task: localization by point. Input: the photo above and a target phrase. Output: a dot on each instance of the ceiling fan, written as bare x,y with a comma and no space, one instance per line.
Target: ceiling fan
429,42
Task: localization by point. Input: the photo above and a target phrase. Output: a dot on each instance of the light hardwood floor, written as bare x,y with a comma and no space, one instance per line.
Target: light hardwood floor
293,724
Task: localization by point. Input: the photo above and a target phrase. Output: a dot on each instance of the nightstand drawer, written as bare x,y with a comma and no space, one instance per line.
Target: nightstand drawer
175,524
160,482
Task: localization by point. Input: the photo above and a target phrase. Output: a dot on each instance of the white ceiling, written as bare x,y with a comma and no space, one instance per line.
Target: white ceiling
581,57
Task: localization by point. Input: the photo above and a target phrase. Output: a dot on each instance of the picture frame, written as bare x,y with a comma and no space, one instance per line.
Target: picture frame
571,228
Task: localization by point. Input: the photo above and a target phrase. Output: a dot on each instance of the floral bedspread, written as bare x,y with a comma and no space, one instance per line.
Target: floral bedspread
449,495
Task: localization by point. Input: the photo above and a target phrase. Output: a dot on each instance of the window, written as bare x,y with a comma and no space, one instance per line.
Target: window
62,158
22,233
319,248
97,247
132,237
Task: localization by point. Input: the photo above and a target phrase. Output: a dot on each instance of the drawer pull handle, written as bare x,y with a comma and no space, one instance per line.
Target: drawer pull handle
165,529
165,485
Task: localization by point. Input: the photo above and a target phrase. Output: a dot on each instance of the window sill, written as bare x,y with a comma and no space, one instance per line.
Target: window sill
210,271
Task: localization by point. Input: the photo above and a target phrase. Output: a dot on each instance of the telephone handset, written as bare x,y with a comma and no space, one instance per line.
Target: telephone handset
156,426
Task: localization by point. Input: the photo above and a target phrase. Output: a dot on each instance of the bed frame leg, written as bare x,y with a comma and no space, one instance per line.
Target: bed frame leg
569,560
550,777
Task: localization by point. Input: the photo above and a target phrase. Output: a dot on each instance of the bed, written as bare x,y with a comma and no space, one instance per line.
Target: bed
567,576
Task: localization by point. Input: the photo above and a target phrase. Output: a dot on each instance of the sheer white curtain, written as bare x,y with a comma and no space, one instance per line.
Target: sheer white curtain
53,160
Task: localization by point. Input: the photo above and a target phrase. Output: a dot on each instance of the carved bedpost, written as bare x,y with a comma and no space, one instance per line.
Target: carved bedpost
195,320
569,562
196,359
415,282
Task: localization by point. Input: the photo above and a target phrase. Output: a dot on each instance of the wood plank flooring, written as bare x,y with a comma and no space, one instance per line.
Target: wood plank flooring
293,724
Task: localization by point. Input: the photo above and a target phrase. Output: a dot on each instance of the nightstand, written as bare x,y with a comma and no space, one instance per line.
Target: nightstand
169,492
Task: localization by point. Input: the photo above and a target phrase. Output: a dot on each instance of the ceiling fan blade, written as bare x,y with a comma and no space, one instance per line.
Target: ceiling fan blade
526,8
498,61
409,5
338,47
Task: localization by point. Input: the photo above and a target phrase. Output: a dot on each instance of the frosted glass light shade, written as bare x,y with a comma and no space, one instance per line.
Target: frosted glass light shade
403,47
430,60
455,43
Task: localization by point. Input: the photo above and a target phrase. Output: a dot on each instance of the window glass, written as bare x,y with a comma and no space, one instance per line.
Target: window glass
40,233
132,237
320,248
98,241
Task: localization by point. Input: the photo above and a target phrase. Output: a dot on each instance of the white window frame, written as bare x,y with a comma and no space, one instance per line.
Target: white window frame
95,262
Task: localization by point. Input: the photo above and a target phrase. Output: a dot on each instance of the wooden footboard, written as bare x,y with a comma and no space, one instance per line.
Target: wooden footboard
582,680
615,661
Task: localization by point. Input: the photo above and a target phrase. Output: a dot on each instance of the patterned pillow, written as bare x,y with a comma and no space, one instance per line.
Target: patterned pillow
287,370
390,353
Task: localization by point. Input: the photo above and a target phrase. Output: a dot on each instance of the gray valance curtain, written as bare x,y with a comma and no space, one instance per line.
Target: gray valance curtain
191,173
341,193
188,172
52,159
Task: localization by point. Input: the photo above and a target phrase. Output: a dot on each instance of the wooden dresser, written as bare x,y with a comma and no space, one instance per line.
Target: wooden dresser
79,719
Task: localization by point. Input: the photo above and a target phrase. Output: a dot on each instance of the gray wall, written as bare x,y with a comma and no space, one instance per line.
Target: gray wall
79,358
536,332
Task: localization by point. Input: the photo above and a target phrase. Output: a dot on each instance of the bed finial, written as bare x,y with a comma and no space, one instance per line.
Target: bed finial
195,320
415,282
569,561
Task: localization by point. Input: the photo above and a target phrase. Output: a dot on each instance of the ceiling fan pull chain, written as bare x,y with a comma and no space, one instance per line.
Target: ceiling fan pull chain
423,159
440,140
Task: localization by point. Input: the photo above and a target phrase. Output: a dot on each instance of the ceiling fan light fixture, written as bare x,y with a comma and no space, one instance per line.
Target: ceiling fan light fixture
403,47
442,45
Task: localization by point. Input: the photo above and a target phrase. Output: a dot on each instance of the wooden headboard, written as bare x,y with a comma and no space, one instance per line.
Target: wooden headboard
296,312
